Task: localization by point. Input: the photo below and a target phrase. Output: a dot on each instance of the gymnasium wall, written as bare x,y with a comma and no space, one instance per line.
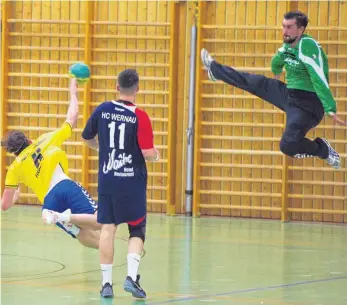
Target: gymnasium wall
45,38
240,166
238,169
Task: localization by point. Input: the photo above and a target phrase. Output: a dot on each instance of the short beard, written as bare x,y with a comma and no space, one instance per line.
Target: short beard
289,41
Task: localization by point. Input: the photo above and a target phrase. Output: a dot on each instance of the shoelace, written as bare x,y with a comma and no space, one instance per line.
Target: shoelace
334,153
138,286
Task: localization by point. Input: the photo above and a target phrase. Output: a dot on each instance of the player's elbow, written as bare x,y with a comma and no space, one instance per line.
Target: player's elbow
87,142
91,143
151,154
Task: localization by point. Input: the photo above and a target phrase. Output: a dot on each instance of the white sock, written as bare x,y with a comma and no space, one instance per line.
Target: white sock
133,264
65,216
106,273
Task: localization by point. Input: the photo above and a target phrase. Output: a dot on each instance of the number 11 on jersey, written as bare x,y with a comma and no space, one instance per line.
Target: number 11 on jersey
121,128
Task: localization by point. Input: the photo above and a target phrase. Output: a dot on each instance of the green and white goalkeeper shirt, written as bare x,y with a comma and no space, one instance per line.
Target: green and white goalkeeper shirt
307,69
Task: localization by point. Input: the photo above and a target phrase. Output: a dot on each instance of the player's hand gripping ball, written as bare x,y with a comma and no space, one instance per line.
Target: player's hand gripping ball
81,72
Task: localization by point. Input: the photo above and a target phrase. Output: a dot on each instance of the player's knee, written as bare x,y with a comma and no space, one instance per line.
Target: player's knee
138,231
291,142
288,148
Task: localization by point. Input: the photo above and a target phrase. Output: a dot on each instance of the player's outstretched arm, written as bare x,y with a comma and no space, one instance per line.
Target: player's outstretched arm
65,132
311,55
9,198
72,113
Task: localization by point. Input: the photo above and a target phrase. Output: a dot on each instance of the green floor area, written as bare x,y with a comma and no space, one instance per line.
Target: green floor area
188,262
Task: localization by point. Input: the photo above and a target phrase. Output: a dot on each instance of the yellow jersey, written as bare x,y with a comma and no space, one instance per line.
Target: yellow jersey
35,165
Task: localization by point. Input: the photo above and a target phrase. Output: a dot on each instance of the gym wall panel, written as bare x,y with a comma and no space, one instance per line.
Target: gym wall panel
137,35
313,185
46,37
238,170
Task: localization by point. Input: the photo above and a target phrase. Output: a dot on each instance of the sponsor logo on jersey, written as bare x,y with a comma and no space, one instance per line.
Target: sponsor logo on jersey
116,163
292,62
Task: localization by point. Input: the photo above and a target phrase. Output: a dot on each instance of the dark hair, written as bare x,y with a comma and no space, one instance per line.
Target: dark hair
300,18
128,80
16,142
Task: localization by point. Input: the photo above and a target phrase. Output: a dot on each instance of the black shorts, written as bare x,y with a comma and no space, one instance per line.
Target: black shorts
124,207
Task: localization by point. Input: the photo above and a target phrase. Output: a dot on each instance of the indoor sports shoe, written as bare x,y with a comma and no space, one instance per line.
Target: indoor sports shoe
51,217
333,159
207,59
134,287
70,228
107,291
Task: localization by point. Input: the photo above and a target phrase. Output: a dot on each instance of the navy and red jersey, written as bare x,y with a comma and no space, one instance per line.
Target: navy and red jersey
123,130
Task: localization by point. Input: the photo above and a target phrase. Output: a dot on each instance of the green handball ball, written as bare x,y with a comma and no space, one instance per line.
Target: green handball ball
81,72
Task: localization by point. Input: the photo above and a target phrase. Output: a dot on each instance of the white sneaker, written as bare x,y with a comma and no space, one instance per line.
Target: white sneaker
333,159
71,228
49,217
207,59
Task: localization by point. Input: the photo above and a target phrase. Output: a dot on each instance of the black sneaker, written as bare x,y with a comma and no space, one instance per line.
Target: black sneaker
107,291
134,287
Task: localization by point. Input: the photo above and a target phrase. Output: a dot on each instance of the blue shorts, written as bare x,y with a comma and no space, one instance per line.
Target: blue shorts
69,194
122,207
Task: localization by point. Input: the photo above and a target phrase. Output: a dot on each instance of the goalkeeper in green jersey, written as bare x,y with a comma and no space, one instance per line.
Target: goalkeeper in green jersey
306,96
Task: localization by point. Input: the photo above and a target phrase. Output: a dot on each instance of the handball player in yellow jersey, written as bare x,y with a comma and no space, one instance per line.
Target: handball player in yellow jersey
42,166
